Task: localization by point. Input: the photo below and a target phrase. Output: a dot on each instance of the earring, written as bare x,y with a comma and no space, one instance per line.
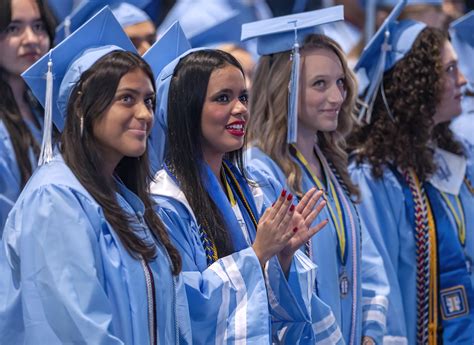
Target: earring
81,124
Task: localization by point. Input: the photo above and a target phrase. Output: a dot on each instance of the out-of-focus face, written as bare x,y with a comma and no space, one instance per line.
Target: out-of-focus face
449,105
142,35
124,127
224,115
322,90
25,39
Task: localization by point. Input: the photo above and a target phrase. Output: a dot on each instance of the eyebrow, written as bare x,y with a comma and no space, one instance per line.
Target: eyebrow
327,76
453,61
19,21
135,92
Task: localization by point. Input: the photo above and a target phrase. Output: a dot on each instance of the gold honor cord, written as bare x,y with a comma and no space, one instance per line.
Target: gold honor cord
240,194
336,217
458,217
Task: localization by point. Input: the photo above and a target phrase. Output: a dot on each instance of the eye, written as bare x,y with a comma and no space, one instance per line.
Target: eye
320,83
127,99
39,27
244,99
224,98
150,102
341,82
12,29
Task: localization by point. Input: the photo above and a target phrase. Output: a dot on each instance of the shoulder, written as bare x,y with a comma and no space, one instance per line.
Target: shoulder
362,175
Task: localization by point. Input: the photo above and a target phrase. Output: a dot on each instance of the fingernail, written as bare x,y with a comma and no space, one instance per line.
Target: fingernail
295,229
283,193
326,220
290,196
292,208
273,204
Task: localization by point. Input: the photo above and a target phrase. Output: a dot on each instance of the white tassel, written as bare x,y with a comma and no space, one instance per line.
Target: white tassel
369,100
46,154
293,96
67,26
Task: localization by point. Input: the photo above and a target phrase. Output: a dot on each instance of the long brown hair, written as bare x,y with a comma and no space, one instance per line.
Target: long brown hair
10,115
269,104
412,89
90,98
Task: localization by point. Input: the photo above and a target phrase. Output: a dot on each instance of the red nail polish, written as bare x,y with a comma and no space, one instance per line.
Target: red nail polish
295,229
273,204
292,208
283,193
290,197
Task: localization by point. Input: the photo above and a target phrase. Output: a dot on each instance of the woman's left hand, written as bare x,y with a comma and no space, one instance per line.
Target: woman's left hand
304,215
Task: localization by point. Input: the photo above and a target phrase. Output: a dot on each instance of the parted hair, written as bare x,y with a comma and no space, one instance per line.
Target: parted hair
90,98
20,135
413,89
184,157
268,108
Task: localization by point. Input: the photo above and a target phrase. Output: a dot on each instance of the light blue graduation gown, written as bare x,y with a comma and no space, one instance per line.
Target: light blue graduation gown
463,125
368,292
233,300
66,277
10,177
384,211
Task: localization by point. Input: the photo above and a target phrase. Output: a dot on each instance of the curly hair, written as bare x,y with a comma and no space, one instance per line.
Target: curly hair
412,88
268,108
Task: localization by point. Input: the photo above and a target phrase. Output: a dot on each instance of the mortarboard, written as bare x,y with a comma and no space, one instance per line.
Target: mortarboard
462,38
52,78
389,45
87,8
168,49
288,33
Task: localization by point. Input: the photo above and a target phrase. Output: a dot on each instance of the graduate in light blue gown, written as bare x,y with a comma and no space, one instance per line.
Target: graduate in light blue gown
238,289
25,35
85,259
297,140
416,182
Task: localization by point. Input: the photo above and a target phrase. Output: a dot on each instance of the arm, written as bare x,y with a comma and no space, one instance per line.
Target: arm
56,294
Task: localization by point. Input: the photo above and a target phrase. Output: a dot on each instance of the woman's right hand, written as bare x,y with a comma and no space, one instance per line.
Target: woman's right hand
273,232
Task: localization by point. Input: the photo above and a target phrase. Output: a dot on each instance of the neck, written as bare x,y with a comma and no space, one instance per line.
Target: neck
215,162
305,141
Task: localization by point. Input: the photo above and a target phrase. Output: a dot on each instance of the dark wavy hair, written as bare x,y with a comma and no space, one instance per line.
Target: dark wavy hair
90,98
184,157
20,135
412,89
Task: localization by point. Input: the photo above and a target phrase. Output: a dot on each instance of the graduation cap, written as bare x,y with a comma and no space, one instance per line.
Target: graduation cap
52,78
393,3
206,23
389,45
288,33
169,48
127,13
462,38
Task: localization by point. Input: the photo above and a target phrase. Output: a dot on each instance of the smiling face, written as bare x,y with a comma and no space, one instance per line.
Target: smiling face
449,105
124,127
25,39
322,90
224,113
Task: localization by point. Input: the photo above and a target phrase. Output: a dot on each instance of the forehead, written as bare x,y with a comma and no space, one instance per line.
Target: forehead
140,29
24,10
448,54
321,59
135,79
227,77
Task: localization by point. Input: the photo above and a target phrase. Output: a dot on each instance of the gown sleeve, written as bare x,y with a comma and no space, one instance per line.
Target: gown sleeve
51,272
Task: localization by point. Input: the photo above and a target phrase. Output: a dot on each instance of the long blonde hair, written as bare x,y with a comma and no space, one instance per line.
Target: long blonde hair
269,104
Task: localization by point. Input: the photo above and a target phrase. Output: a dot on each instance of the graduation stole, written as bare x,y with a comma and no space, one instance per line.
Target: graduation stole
443,284
240,193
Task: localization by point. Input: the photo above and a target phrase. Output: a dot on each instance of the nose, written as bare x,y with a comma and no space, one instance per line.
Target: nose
461,78
143,47
239,107
336,95
29,35
144,113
